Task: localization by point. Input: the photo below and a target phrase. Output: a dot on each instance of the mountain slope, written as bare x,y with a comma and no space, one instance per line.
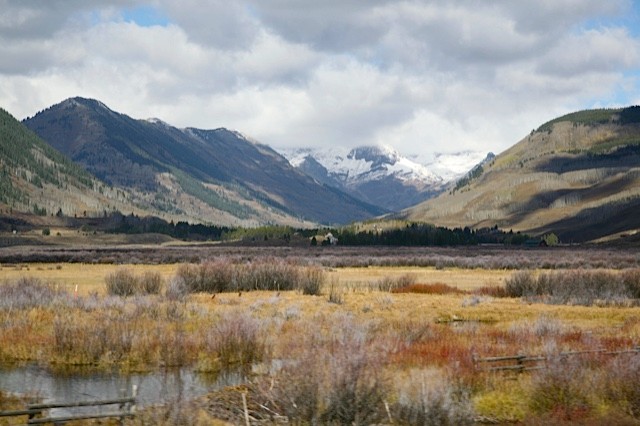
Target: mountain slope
208,175
377,175
577,176
36,178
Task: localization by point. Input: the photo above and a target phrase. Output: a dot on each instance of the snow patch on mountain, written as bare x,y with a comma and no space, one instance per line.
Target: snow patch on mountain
364,164
451,166
368,163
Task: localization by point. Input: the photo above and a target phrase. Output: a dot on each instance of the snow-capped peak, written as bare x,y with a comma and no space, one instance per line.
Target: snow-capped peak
381,175
154,120
363,164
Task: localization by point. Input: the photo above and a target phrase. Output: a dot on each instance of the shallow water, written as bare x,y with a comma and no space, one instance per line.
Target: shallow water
79,385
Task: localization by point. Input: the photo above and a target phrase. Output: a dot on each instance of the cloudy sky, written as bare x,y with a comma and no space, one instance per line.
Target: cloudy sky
422,76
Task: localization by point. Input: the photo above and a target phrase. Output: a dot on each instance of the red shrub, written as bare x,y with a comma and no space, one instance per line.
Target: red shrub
435,288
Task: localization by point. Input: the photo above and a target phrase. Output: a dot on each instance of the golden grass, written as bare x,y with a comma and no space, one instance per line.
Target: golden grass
437,331
88,277
464,279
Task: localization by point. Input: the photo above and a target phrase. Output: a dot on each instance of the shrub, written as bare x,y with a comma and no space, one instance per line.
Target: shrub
237,339
335,295
562,390
427,397
122,282
266,274
521,284
332,378
631,281
311,280
176,289
621,384
29,292
151,283
390,284
356,395
575,287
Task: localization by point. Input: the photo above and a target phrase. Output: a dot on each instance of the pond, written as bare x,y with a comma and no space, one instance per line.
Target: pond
159,387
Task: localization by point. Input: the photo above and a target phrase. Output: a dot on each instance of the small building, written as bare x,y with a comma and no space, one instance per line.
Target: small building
331,239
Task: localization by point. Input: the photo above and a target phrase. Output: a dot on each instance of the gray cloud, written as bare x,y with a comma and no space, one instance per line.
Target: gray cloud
422,76
218,23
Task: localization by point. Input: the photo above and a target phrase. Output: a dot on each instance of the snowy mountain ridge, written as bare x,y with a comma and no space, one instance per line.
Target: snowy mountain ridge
380,174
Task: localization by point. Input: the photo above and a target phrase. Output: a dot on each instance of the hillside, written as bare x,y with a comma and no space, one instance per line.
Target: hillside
216,176
36,178
577,176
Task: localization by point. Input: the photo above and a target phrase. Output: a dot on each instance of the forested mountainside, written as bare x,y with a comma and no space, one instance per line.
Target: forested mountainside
36,178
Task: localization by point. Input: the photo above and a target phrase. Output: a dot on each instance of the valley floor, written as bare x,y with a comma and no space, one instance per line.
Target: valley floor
390,336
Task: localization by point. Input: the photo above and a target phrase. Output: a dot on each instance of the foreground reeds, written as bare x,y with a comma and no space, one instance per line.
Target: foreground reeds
336,354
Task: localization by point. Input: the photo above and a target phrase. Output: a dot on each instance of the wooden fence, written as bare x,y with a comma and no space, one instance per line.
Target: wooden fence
521,363
126,408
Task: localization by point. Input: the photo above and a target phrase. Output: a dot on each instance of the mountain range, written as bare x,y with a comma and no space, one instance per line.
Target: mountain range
577,176
214,176
380,175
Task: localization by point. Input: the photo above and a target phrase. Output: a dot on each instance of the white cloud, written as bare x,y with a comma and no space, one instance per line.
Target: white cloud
422,76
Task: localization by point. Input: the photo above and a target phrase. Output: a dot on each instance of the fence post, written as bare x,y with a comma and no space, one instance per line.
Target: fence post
520,362
246,409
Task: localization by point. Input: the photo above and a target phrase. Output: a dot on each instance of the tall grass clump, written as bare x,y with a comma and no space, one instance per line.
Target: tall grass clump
176,290
124,282
621,381
631,280
429,398
267,274
151,283
109,339
336,295
576,287
389,284
27,292
264,274
522,284
331,378
311,281
563,391
237,339
210,277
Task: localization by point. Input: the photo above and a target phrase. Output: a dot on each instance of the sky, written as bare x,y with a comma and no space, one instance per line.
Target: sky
424,77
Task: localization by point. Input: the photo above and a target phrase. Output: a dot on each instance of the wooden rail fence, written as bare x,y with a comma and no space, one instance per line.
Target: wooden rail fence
521,363
126,408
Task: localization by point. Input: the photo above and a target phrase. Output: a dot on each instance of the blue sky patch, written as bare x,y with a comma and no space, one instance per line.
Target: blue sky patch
145,16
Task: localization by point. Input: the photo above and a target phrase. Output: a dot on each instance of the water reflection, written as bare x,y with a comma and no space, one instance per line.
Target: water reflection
162,387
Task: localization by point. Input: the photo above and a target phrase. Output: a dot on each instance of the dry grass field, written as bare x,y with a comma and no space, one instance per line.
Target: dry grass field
383,345
90,277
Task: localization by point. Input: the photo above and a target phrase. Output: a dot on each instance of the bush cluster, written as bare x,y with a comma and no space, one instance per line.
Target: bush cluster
266,274
27,292
573,391
336,379
576,287
393,284
123,282
237,339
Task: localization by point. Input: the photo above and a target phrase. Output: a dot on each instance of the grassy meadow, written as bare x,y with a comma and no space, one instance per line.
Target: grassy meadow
341,345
